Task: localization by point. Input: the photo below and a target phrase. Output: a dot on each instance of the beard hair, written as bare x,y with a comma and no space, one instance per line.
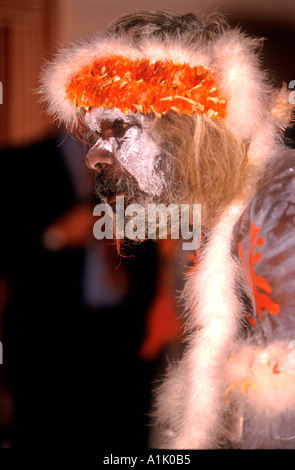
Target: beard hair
112,182
117,181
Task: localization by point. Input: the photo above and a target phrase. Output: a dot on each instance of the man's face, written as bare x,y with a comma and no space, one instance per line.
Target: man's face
126,160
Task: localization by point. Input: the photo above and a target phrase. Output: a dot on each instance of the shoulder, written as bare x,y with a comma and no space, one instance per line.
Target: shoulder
277,192
264,240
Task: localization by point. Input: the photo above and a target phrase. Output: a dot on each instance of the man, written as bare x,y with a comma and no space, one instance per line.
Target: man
177,110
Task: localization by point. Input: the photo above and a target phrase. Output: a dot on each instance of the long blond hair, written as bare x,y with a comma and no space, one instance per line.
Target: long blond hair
212,164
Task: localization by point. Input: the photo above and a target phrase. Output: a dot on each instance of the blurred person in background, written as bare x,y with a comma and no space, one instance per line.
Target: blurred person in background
72,328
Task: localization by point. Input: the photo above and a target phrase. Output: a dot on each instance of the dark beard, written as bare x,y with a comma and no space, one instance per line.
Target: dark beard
113,181
110,183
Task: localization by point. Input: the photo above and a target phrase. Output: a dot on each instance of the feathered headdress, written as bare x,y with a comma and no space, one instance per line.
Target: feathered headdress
222,80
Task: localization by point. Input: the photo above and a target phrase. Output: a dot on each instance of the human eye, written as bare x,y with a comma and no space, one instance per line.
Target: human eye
119,127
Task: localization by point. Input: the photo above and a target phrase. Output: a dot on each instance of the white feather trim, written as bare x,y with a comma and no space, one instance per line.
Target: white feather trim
235,61
190,402
67,64
232,58
262,379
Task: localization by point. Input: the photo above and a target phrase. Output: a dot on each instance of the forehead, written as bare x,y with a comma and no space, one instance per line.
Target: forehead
94,117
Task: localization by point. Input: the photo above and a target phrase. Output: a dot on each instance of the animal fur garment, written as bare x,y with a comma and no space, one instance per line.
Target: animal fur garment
235,384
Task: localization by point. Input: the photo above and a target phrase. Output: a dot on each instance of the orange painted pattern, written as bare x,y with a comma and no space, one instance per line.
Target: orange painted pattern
159,87
257,283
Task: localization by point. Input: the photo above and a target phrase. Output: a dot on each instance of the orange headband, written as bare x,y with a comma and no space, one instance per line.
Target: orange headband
118,82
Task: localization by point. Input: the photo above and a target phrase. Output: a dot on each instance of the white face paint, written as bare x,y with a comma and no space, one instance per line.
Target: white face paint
135,150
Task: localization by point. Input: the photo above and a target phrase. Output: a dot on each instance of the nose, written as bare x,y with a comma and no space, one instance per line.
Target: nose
99,158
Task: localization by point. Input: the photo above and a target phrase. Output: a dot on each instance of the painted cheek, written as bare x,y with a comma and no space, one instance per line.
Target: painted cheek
138,155
136,152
